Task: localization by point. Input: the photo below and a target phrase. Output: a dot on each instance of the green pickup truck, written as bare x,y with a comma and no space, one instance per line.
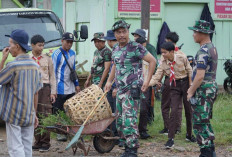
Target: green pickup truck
34,21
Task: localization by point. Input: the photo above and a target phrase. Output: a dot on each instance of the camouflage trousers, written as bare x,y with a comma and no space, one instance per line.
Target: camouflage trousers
202,113
127,127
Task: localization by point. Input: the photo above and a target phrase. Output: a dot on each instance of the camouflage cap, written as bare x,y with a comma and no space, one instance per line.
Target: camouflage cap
99,36
202,26
120,24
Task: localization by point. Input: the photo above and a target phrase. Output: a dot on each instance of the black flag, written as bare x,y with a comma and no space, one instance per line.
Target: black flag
206,15
161,38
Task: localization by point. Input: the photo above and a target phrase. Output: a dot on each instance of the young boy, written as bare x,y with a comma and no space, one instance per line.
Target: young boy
47,94
177,67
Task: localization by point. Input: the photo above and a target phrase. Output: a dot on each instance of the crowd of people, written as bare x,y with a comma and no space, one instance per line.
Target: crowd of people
38,84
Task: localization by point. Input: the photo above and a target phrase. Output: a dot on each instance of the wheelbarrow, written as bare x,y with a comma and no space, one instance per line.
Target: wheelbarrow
103,141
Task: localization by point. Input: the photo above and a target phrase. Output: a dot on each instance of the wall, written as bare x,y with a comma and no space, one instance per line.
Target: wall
100,15
55,5
8,4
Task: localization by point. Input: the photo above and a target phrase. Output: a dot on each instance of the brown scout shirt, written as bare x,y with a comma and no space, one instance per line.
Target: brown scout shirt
47,71
182,68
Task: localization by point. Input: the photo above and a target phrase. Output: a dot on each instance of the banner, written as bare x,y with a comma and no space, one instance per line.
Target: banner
132,8
223,9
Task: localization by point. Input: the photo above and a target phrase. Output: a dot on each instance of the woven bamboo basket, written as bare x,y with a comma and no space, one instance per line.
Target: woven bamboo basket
79,106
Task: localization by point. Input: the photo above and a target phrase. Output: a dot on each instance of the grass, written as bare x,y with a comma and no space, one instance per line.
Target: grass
221,122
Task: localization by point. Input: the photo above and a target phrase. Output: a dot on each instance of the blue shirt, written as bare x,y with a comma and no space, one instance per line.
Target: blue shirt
19,81
62,71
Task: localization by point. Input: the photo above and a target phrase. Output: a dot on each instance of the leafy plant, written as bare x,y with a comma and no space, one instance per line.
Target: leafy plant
53,119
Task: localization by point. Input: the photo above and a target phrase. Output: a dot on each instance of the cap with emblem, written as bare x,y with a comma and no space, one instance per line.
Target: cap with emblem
68,36
202,26
120,24
99,36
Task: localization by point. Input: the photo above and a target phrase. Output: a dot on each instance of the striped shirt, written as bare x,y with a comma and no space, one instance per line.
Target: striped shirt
62,71
20,80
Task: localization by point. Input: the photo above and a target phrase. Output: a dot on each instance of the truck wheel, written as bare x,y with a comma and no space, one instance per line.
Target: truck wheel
102,145
228,85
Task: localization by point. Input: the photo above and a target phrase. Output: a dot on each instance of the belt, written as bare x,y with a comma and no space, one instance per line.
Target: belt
46,84
183,79
166,77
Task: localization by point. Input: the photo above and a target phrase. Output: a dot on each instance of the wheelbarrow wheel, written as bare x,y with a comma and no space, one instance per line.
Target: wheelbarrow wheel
102,145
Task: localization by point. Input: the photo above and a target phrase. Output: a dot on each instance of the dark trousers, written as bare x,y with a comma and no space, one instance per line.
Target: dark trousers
60,100
166,106
44,108
112,102
144,108
178,94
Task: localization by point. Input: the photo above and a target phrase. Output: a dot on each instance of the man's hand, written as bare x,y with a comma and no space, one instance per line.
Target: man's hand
86,83
107,87
78,89
5,53
190,94
100,85
145,86
53,98
114,92
36,123
159,85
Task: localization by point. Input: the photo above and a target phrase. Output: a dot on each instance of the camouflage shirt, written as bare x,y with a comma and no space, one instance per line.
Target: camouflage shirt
128,61
152,50
206,58
100,57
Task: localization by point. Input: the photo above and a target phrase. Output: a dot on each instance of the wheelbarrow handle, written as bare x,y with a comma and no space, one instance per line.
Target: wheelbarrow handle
93,110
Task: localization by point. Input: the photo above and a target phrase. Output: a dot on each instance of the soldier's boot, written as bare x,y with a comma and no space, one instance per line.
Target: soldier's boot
213,150
132,152
129,152
206,152
126,151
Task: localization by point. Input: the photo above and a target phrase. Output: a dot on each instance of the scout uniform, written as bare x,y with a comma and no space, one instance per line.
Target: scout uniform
206,58
44,103
178,89
100,57
166,101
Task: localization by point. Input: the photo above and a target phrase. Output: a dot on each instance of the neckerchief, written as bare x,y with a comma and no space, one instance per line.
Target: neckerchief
37,59
172,73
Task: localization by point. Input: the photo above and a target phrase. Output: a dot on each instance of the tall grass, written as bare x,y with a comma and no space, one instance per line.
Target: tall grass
221,122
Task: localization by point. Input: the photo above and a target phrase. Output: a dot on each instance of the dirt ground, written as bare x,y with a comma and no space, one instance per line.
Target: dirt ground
149,148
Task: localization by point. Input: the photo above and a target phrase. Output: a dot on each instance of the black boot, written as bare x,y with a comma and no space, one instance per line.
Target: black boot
132,152
144,135
213,150
206,152
126,152
129,152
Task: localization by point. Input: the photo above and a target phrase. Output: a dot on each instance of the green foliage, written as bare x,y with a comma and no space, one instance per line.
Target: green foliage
53,119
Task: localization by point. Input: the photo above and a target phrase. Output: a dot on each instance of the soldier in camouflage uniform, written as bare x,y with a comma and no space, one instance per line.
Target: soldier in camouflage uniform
127,71
101,62
204,87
